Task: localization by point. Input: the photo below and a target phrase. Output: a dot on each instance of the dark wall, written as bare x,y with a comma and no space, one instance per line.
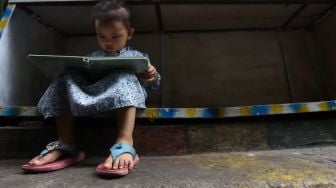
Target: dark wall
326,39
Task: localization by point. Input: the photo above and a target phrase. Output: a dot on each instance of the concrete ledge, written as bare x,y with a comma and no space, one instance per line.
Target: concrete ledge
207,113
95,136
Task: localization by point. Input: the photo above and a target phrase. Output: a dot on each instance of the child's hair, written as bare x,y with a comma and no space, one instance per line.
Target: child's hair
111,10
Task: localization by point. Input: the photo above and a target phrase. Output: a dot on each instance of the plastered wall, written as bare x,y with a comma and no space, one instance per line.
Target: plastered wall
326,38
226,68
198,69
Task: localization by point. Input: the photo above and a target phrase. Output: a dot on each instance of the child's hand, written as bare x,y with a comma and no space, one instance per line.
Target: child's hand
150,75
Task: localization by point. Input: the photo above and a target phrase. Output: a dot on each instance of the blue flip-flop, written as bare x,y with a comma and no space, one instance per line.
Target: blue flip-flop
116,150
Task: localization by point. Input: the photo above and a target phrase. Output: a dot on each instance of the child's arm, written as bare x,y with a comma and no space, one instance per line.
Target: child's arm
151,78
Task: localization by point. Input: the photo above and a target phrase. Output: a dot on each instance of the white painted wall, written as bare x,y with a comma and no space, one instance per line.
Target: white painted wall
20,82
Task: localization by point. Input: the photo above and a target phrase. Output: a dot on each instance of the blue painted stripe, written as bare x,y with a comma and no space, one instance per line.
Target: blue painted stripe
7,13
332,105
12,111
210,113
260,110
295,106
167,112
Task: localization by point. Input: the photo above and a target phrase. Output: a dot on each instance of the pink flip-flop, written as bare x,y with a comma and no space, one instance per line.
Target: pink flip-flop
115,172
116,150
72,156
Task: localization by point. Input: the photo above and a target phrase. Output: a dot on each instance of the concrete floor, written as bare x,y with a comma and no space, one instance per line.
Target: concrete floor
308,167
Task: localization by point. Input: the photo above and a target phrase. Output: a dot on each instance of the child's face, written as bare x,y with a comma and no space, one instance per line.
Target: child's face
112,36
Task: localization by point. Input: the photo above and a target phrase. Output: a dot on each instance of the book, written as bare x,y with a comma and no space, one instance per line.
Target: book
54,65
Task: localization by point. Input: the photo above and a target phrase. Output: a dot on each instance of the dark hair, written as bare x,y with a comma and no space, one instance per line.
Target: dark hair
111,10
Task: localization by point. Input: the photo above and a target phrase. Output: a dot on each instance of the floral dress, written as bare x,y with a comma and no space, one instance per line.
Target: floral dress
81,94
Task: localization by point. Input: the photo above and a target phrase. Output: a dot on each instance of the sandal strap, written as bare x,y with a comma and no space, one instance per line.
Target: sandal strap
120,148
60,146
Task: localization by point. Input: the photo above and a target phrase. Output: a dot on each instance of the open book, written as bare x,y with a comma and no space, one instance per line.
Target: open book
54,65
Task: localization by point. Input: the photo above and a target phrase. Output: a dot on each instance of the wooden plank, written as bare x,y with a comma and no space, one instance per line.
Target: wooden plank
194,113
7,14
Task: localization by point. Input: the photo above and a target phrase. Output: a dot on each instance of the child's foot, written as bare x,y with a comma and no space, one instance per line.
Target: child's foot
56,156
124,160
48,158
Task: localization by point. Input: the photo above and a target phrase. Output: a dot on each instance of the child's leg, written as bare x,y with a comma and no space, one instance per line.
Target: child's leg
65,126
126,120
65,129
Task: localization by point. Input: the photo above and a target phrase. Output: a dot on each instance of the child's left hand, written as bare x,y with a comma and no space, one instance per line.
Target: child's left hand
150,75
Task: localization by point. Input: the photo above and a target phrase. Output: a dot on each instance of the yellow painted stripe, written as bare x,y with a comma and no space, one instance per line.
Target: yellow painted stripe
324,106
245,111
277,109
190,112
3,23
152,113
304,108
221,112
11,6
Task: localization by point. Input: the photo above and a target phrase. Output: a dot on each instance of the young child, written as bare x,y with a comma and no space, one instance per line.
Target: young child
71,94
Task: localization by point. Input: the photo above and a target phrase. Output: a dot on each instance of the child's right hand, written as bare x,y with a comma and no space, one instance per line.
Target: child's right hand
150,75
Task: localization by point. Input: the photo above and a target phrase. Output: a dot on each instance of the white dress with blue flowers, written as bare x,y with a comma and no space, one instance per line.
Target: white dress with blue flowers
80,94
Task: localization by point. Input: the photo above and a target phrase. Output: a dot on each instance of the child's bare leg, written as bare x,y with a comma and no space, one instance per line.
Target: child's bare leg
65,125
126,120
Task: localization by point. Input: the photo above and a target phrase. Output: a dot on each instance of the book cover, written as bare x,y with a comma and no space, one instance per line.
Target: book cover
54,65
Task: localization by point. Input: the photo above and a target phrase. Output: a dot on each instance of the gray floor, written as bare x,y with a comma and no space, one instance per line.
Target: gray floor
309,167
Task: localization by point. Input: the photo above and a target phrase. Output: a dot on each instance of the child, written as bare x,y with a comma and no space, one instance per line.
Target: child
72,94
